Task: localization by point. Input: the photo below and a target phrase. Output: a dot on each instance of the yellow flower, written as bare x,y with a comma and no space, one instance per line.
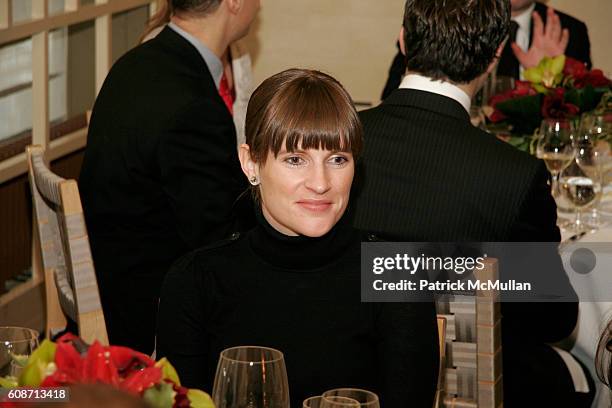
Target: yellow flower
548,74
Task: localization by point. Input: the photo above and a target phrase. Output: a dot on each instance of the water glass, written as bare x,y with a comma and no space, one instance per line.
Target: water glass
366,399
330,402
251,377
16,343
581,186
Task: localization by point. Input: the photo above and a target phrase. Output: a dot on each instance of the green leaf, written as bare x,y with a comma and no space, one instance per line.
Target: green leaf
523,113
45,352
160,396
199,399
36,369
8,382
20,359
168,371
586,98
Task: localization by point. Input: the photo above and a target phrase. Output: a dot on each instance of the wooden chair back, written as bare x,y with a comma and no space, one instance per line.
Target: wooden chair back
472,376
71,287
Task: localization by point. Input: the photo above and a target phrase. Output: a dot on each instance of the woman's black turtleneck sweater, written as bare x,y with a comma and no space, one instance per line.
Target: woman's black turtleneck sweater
302,296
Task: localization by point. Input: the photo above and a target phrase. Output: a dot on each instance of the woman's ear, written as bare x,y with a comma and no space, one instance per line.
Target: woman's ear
249,166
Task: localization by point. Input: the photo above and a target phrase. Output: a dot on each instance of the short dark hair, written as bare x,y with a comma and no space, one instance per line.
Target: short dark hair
199,7
301,108
454,40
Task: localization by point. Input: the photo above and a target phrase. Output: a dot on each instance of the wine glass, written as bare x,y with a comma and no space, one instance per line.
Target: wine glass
364,397
595,135
16,345
580,184
330,402
556,149
251,377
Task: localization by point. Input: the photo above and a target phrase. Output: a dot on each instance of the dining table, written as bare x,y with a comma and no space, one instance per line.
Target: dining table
592,280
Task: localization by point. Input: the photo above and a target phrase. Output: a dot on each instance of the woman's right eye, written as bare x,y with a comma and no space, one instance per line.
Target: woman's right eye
294,160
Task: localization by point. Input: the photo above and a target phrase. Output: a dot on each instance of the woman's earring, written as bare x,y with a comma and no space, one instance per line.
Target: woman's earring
253,180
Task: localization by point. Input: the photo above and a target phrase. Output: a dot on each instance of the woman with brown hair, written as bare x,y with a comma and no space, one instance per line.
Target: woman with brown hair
603,357
293,282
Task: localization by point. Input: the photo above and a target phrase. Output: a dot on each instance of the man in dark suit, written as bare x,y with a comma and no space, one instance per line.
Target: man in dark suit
536,31
429,175
161,174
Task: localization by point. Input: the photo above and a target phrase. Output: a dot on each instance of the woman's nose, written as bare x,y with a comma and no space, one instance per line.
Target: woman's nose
318,180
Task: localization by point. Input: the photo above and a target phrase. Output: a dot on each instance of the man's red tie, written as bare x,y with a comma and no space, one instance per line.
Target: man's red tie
226,94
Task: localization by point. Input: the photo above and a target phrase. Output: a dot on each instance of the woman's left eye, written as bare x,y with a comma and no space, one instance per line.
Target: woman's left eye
338,160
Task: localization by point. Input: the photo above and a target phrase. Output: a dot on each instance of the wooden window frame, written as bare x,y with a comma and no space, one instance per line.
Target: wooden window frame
23,305
38,29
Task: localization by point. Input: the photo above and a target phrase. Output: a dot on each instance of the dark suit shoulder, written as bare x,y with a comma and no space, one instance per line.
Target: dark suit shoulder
565,18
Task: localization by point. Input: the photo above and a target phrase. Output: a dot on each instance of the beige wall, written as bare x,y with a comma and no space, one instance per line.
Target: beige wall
354,40
597,15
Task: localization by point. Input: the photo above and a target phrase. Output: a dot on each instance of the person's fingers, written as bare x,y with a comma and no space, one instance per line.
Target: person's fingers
538,26
555,29
520,55
565,35
550,22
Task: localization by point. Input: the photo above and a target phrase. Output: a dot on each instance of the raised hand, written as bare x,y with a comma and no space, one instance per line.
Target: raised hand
548,41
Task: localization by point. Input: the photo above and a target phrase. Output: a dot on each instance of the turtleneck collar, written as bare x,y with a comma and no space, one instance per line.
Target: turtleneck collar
300,252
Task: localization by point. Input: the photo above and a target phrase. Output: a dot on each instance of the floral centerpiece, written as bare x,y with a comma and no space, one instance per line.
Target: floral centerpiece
70,361
558,87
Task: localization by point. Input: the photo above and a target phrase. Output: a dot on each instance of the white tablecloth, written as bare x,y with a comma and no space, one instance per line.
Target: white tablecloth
593,315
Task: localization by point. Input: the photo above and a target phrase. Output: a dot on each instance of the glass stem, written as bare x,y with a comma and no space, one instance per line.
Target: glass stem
578,221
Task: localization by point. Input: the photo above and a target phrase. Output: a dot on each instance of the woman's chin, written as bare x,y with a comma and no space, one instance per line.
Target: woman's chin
317,229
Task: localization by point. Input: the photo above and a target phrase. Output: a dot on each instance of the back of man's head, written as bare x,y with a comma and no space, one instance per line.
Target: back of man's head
454,40
198,7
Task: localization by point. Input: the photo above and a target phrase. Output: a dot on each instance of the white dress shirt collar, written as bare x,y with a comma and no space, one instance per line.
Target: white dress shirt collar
524,31
214,64
423,83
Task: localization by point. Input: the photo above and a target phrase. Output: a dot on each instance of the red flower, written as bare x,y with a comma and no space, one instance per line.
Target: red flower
521,88
595,78
127,360
117,366
554,105
180,399
574,67
139,381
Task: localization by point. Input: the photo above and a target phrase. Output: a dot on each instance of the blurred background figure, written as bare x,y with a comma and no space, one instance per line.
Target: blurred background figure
161,175
236,66
536,31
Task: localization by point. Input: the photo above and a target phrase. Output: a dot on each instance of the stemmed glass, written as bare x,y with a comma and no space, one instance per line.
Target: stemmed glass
330,402
366,399
16,345
596,129
581,185
556,149
251,377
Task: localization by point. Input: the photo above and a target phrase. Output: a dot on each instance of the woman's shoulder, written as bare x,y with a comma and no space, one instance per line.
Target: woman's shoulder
205,258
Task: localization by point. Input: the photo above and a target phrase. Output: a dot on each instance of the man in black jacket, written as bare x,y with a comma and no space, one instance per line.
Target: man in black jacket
539,31
161,174
429,175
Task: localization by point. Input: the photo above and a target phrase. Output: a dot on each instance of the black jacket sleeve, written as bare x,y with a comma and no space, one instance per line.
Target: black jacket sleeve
541,321
408,354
